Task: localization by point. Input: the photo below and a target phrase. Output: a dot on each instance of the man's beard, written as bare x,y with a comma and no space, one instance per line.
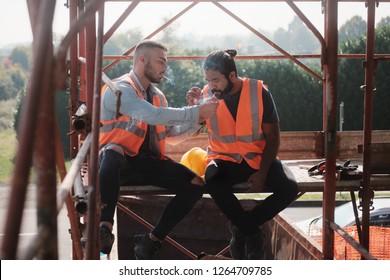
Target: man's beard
225,92
149,74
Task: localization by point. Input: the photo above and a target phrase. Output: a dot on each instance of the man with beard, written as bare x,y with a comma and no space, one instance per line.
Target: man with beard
244,139
135,126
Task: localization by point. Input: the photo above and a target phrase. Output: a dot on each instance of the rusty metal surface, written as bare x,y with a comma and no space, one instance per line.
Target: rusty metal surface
28,126
330,107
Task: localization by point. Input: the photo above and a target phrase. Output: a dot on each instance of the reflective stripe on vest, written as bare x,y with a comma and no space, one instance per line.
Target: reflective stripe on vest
234,140
128,132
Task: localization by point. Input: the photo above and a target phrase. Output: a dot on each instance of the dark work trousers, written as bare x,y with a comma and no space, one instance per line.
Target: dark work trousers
223,175
116,170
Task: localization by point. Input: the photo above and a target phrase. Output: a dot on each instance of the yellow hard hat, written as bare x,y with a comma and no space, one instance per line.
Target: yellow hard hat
195,159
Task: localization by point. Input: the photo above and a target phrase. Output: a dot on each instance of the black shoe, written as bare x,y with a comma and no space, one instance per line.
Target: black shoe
106,239
237,243
144,247
255,246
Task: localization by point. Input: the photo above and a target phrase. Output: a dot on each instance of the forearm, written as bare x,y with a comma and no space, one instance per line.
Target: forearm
271,149
168,116
141,110
177,134
269,155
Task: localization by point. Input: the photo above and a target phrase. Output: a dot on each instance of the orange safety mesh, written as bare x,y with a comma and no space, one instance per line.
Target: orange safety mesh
379,243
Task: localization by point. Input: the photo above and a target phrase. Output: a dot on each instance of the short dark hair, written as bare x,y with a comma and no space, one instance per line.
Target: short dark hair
222,61
148,44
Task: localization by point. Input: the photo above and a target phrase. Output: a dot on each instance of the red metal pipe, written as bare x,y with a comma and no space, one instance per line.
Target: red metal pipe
27,128
73,76
312,29
382,57
94,201
367,124
109,66
268,41
74,29
44,159
331,68
350,240
90,51
74,227
120,20
149,226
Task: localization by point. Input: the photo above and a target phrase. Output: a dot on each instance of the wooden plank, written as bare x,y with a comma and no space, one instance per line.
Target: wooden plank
306,183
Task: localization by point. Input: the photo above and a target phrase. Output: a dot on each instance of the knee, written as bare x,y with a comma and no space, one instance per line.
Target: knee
111,159
198,181
287,191
292,190
212,187
195,192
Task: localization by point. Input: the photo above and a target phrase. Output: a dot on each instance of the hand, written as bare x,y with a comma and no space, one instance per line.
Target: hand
193,96
256,182
207,110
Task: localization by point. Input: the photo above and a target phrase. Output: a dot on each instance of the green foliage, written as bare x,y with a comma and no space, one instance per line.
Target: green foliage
383,23
381,117
13,74
6,113
352,76
352,29
18,110
182,76
62,99
297,39
120,44
21,56
7,153
6,85
297,95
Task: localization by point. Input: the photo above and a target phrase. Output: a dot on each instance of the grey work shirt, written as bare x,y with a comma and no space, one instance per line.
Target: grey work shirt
180,123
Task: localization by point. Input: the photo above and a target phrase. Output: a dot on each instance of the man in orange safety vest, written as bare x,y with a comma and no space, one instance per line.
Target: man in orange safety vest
244,139
132,146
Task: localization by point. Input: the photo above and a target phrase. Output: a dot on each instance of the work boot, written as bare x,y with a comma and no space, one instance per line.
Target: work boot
106,239
237,243
255,246
145,248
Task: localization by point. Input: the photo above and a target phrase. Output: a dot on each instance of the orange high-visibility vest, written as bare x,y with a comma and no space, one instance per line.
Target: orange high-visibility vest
128,132
243,138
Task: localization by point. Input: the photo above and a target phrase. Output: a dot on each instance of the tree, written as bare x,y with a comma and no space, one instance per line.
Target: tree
297,95
297,38
381,117
6,85
21,55
19,78
281,37
352,29
383,23
351,78
61,102
119,44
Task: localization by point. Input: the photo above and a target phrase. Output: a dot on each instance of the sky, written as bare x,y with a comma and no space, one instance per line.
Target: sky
203,19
